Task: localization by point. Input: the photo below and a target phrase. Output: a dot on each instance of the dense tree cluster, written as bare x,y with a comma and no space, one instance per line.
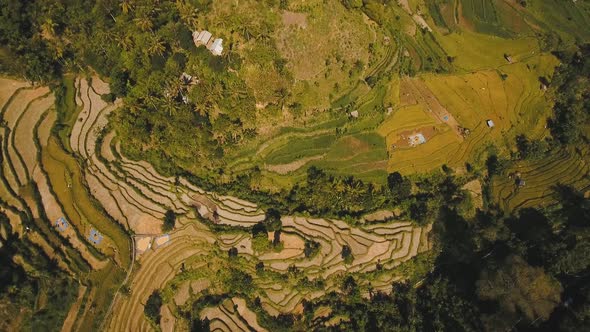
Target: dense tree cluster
20,288
152,306
524,272
169,221
143,47
572,107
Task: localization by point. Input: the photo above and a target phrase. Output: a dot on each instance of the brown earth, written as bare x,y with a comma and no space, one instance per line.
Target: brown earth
297,19
403,142
73,312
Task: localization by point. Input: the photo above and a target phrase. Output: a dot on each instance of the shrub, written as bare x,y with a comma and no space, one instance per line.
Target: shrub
152,306
169,221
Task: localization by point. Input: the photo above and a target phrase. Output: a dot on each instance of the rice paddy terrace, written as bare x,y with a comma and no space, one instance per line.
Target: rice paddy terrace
100,215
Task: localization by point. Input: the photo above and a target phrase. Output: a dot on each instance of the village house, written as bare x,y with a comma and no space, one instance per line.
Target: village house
206,38
216,48
201,38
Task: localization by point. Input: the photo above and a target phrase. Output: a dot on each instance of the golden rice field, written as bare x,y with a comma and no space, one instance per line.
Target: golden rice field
516,105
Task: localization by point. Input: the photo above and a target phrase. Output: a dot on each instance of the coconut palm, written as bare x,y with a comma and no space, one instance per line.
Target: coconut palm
188,13
48,28
124,40
126,6
168,105
144,23
156,46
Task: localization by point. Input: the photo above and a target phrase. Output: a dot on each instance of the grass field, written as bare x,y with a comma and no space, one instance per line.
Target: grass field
475,51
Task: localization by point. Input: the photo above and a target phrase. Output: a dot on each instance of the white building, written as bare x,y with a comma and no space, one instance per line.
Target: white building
490,123
201,38
216,48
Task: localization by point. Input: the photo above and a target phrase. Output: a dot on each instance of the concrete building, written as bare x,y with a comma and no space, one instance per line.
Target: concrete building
216,48
490,123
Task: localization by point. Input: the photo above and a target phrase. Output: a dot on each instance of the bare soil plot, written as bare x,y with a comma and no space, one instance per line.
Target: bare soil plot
100,86
106,198
381,215
167,320
44,129
15,222
238,204
8,87
90,134
106,149
23,133
200,285
247,314
143,244
19,104
182,294
161,240
84,101
292,18
322,312
96,107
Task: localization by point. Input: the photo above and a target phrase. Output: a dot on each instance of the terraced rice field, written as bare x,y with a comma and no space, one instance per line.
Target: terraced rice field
29,191
125,201
567,168
232,315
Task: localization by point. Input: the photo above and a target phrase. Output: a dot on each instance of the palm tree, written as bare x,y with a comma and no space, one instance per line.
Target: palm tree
48,28
126,6
124,40
144,23
282,93
187,13
168,104
157,46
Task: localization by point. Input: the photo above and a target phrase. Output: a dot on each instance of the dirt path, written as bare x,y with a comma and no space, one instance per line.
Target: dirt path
73,313
420,21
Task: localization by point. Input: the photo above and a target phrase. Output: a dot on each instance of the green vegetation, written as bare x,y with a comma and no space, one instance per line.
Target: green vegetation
152,307
169,221
311,112
571,116
34,291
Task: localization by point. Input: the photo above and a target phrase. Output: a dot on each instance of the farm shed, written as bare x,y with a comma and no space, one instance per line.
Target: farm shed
490,123
201,38
216,48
